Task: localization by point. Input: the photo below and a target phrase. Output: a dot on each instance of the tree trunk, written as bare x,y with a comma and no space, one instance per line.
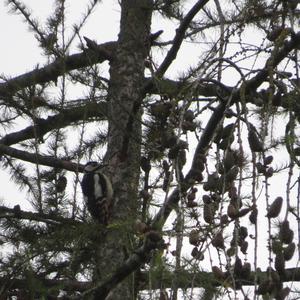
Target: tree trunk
123,153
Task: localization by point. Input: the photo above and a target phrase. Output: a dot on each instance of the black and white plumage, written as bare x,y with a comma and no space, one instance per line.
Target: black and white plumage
97,191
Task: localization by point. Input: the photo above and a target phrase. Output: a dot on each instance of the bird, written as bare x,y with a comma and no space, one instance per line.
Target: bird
97,192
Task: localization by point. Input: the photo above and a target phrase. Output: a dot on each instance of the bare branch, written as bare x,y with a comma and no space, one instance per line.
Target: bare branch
59,67
40,159
16,212
179,37
63,119
67,285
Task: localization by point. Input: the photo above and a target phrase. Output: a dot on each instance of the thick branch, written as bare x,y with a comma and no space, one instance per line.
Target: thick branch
173,88
49,161
15,212
202,279
187,279
202,146
63,119
59,67
66,285
288,46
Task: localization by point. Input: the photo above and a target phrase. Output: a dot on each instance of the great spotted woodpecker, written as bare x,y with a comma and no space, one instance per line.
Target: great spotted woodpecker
97,191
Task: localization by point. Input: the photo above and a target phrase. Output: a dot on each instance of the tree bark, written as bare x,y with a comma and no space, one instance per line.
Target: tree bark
125,96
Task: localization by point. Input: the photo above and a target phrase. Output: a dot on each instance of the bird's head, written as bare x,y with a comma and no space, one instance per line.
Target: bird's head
92,166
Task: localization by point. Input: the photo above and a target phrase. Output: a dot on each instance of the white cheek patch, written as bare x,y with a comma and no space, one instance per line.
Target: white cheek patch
97,186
